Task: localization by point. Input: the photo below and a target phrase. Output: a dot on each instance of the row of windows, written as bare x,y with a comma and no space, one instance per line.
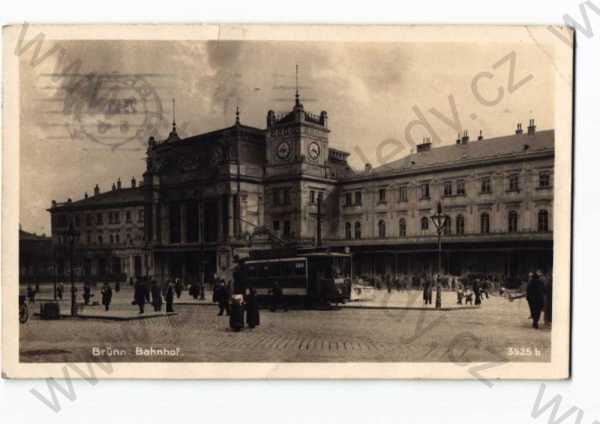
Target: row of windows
451,188
281,197
287,228
458,228
112,239
113,218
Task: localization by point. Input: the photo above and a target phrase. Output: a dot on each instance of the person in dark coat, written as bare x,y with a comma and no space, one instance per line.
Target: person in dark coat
277,298
178,288
106,296
547,299
87,293
131,281
221,296
427,291
252,309
30,294
477,291
236,318
139,295
169,297
535,298
60,290
117,286
156,296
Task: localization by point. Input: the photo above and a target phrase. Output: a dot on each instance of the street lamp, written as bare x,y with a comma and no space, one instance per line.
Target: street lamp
71,237
440,221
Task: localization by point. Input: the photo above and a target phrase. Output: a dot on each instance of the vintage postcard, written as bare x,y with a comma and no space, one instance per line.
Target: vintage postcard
272,201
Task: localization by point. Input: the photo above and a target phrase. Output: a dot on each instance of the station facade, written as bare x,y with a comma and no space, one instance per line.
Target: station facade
207,199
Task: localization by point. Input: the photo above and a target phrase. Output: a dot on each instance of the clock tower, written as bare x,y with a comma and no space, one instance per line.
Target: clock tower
297,141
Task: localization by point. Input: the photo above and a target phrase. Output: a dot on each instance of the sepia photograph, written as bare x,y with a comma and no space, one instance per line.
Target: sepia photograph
288,201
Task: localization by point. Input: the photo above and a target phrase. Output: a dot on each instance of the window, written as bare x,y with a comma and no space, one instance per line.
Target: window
112,239
382,195
543,220
403,194
77,220
348,199
381,228
460,225
448,226
486,185
485,223
448,188
99,219
357,233
128,216
100,240
89,238
117,240
88,220
460,188
192,217
286,196
424,191
513,183
175,223
312,197
276,197
358,198
424,224
513,222
287,229
117,217
544,180
402,227
348,231
276,226
141,215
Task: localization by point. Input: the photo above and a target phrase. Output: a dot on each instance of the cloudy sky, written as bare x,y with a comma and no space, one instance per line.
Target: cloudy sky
372,92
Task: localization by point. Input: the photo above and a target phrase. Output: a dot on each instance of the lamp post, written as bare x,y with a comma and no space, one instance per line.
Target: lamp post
440,221
72,235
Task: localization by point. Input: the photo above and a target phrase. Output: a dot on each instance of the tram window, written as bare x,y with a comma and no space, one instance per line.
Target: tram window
251,270
265,270
275,270
287,269
300,268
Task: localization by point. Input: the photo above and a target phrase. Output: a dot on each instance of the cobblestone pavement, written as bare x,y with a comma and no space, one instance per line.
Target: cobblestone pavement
493,332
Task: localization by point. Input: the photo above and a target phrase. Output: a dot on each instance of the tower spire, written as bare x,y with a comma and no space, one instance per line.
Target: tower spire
173,100
237,114
297,93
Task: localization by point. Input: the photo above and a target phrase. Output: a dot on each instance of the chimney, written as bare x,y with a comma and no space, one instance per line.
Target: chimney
133,183
480,137
114,187
54,203
69,200
519,129
425,146
323,118
96,190
85,196
458,138
119,184
368,167
531,127
465,138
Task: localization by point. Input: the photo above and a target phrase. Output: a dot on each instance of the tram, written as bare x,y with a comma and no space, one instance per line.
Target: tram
307,278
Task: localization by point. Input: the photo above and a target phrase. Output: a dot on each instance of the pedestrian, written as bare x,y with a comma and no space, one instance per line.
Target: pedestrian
535,298
388,283
117,286
252,309
236,318
178,288
459,293
30,294
156,296
87,293
60,289
139,295
548,300
477,291
202,294
221,297
106,295
169,297
131,281
427,290
277,298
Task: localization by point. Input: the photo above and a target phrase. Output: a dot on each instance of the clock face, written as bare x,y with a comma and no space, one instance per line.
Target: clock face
284,150
314,150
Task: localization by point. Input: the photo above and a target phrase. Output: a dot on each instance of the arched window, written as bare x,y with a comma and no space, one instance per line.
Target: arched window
460,225
485,223
543,220
448,226
513,222
402,226
348,231
357,234
424,223
381,228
